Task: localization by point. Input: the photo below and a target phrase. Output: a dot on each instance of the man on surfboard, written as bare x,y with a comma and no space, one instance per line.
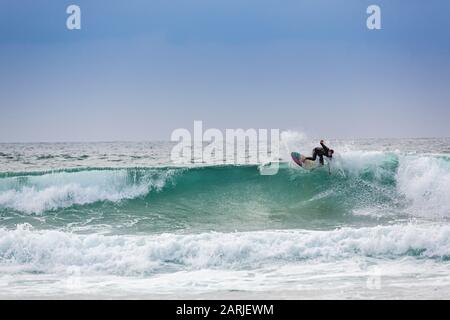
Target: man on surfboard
320,152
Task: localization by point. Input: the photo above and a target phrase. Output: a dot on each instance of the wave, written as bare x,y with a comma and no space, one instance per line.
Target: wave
361,182
28,250
38,193
425,182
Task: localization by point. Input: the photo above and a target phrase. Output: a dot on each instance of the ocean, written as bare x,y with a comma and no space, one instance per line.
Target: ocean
120,220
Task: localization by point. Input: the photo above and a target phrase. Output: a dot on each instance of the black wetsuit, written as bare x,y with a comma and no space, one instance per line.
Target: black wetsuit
319,152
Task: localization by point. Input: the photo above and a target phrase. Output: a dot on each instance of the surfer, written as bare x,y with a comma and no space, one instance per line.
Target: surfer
320,152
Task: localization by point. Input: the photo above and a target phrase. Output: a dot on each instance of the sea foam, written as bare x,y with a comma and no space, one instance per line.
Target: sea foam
425,181
39,193
28,250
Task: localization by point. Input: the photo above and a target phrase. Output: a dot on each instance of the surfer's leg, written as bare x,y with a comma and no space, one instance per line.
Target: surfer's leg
314,156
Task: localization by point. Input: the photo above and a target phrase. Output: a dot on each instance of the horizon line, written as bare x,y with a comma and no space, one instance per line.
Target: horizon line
158,140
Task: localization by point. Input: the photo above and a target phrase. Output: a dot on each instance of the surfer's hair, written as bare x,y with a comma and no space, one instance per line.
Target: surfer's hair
331,151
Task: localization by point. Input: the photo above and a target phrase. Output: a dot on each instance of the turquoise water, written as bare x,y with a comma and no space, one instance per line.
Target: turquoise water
121,220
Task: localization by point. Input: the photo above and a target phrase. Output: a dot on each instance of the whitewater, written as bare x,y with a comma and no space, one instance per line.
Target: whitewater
120,220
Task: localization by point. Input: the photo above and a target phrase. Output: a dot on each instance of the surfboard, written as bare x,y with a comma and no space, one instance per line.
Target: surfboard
300,160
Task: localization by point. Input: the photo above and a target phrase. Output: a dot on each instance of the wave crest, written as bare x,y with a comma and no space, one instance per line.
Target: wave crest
51,191
383,183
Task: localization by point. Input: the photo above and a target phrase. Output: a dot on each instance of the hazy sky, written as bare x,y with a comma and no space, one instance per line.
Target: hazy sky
139,69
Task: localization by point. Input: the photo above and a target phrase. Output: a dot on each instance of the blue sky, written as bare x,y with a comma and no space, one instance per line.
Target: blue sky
139,69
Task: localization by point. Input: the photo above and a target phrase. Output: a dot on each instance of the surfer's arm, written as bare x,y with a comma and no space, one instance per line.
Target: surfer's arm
325,148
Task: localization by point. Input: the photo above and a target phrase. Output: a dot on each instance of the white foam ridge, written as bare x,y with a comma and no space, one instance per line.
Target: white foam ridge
356,162
425,181
36,194
26,250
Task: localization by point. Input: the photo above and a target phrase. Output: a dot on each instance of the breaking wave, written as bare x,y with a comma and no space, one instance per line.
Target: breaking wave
360,181
28,250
